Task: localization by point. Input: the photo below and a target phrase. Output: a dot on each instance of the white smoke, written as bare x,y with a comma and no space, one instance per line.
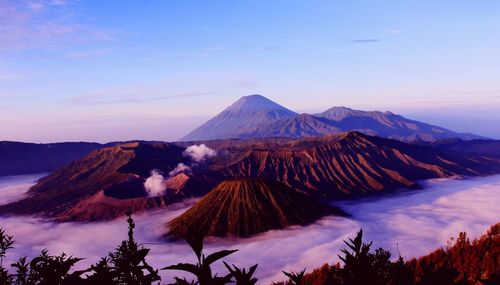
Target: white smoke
155,185
199,153
416,222
180,168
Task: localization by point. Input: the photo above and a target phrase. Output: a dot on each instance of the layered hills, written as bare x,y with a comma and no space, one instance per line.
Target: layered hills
258,117
109,181
244,207
348,164
106,184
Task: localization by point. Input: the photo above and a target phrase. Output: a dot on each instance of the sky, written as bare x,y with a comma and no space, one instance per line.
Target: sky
121,70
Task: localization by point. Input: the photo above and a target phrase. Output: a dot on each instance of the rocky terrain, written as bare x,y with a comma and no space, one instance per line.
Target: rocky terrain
244,207
110,181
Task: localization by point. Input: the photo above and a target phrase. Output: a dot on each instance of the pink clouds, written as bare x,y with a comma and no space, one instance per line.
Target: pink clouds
28,25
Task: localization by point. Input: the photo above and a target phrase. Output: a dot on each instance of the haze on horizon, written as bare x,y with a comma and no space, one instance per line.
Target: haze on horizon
115,70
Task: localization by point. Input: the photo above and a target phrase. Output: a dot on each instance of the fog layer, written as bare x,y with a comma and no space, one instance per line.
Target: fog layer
416,222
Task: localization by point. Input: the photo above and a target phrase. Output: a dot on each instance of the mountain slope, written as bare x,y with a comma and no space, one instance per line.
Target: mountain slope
303,125
109,181
388,125
349,164
244,207
104,184
257,117
240,118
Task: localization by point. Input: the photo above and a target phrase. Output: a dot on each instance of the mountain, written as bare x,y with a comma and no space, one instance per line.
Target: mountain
240,118
106,184
245,207
303,125
388,124
18,158
257,117
479,147
346,165
109,181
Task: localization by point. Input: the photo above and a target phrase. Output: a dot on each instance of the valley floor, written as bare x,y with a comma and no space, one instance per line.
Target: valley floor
414,222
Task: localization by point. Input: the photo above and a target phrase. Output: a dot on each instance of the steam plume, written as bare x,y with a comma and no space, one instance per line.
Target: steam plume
199,153
180,168
155,184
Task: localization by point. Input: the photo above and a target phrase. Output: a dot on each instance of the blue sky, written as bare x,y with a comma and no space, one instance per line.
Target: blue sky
118,70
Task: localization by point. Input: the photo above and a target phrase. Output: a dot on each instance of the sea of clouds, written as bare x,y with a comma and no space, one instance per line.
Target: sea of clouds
415,222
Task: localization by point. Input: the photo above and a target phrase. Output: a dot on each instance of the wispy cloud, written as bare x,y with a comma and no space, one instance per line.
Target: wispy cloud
26,25
393,31
267,48
474,92
129,97
366,41
89,54
8,77
206,52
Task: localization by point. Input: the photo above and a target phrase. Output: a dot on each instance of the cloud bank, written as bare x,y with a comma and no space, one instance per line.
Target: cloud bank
417,222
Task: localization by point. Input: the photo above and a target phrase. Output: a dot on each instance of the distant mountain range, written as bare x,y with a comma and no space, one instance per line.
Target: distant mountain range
23,158
250,117
255,116
108,182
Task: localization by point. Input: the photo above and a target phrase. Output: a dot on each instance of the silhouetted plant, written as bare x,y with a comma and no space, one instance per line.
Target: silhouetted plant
357,261
6,243
46,269
183,281
296,278
202,269
462,263
241,276
22,271
127,265
104,273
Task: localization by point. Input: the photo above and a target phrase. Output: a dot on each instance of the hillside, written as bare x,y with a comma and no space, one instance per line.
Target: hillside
104,184
388,124
18,158
109,181
244,207
349,164
462,261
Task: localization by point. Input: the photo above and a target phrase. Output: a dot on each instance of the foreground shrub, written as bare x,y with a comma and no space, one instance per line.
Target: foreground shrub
461,262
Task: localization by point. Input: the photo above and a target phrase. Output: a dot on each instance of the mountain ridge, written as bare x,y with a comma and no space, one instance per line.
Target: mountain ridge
289,124
110,181
247,111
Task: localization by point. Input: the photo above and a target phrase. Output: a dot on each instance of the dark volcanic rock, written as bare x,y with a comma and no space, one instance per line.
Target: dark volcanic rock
105,184
348,165
245,207
109,181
